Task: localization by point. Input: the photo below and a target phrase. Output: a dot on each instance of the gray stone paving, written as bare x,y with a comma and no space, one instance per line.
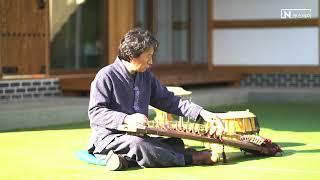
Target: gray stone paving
62,110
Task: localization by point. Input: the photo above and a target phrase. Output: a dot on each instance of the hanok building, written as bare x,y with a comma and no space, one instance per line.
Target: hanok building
52,45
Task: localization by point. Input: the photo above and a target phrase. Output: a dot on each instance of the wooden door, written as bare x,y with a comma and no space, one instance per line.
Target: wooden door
24,36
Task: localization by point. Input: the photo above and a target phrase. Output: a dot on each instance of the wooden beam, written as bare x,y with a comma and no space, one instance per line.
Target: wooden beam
180,74
75,82
184,74
120,20
220,24
82,71
200,78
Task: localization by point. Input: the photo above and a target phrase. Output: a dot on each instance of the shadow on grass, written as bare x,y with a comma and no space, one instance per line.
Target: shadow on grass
241,156
290,144
291,151
237,157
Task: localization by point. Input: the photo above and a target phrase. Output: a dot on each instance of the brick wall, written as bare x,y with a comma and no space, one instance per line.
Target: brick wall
27,89
281,80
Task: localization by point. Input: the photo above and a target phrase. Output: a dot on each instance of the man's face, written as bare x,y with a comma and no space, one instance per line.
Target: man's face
144,61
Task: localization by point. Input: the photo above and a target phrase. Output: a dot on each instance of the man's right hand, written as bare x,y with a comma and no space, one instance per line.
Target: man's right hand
217,125
136,120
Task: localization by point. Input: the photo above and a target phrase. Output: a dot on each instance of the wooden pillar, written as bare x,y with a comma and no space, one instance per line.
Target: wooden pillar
120,20
47,25
318,34
2,32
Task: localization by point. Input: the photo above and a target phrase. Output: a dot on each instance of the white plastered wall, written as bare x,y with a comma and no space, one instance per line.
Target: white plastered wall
287,46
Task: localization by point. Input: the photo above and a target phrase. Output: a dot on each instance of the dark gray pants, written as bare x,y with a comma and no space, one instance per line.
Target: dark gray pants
147,151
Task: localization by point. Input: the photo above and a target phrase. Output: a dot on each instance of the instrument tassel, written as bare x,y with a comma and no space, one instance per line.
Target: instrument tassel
224,157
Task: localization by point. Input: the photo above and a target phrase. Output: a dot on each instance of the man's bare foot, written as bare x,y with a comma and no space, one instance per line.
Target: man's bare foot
204,157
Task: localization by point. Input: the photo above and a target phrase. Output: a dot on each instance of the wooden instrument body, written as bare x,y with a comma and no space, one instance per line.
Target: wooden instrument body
238,124
243,145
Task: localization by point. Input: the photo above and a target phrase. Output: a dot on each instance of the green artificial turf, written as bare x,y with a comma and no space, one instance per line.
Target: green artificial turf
48,153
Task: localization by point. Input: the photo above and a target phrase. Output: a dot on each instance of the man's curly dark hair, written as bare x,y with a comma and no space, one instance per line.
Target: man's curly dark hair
135,42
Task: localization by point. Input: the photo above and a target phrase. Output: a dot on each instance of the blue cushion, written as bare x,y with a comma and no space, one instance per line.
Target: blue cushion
85,156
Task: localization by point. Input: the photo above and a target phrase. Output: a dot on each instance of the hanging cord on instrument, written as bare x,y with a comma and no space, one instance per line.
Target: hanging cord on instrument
224,157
